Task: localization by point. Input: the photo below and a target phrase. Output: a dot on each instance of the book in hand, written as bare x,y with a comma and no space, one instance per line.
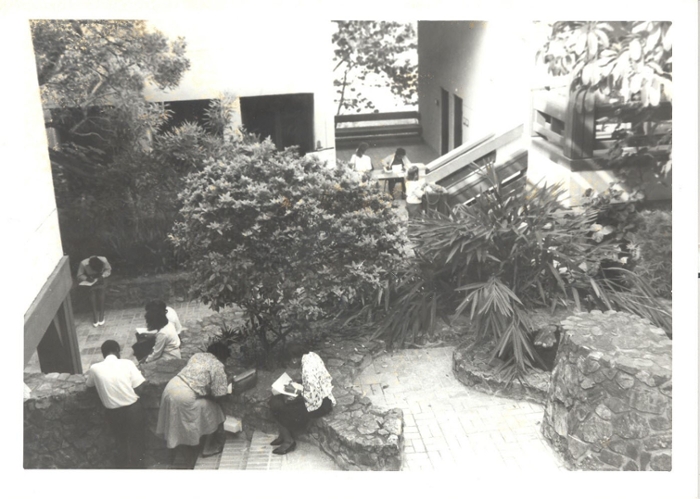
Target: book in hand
87,283
144,330
281,387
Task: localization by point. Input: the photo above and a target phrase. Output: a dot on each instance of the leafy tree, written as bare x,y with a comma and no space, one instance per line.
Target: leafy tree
115,179
373,47
284,237
626,63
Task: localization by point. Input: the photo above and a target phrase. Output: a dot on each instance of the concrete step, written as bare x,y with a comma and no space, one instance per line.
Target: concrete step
240,454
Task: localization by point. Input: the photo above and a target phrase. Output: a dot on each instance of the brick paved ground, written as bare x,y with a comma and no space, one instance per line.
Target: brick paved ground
120,325
447,425
450,426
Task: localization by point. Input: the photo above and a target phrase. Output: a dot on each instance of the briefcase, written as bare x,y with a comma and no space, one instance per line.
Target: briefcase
245,380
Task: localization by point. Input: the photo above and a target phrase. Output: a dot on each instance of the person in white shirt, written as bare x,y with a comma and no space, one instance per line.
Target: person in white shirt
167,341
396,163
414,193
119,385
170,314
361,162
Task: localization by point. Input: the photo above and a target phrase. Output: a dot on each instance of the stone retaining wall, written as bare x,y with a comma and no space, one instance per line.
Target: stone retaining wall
64,421
609,402
473,367
65,426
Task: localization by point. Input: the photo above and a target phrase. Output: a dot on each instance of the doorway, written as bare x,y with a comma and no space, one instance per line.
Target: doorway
287,119
445,111
457,121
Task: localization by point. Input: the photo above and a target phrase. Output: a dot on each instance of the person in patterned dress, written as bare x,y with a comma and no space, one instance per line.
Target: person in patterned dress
316,400
189,407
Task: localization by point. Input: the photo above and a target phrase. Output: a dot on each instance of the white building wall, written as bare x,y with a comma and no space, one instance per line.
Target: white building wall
30,216
487,64
256,56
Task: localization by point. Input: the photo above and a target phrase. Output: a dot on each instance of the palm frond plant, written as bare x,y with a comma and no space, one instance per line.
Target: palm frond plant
502,256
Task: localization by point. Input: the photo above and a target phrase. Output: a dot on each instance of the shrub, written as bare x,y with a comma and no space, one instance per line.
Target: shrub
503,255
654,242
645,237
284,237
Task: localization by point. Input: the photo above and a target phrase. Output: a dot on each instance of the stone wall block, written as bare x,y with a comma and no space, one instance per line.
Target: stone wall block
610,365
661,462
612,459
630,425
659,441
629,448
660,423
624,380
648,401
594,429
667,388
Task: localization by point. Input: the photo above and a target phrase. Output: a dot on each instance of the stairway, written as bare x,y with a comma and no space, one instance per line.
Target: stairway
241,454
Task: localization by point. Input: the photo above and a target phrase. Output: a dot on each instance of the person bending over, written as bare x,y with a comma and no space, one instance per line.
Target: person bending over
189,406
316,400
94,271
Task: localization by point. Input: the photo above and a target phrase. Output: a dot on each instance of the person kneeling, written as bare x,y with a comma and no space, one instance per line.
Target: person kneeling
316,400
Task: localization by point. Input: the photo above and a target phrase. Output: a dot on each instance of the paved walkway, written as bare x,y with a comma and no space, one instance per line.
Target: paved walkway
120,325
449,426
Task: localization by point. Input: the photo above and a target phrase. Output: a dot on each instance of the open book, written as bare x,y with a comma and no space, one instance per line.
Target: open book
87,283
279,386
144,330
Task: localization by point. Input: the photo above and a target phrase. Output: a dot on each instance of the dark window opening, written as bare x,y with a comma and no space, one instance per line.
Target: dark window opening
287,119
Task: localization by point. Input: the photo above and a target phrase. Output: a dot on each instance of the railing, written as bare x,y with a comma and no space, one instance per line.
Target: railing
463,171
582,132
375,127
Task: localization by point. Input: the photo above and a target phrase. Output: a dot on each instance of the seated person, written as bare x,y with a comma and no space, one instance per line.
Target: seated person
359,161
167,344
397,163
189,407
314,401
169,313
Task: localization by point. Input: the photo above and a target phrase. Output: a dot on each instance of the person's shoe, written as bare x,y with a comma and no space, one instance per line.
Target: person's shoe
214,448
284,450
95,324
277,441
101,323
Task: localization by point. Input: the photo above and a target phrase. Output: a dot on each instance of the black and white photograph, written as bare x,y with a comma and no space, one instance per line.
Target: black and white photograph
434,241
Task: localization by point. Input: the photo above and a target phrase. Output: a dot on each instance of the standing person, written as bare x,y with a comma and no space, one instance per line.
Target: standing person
397,163
360,161
92,272
119,385
189,407
316,400
167,345
414,193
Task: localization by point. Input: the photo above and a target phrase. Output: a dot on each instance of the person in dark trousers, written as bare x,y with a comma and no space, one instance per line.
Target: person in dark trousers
119,385
293,412
92,273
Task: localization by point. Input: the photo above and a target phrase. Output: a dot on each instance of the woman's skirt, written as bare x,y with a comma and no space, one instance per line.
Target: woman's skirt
183,417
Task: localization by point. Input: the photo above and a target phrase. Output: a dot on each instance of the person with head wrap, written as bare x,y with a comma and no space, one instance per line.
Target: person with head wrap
315,400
